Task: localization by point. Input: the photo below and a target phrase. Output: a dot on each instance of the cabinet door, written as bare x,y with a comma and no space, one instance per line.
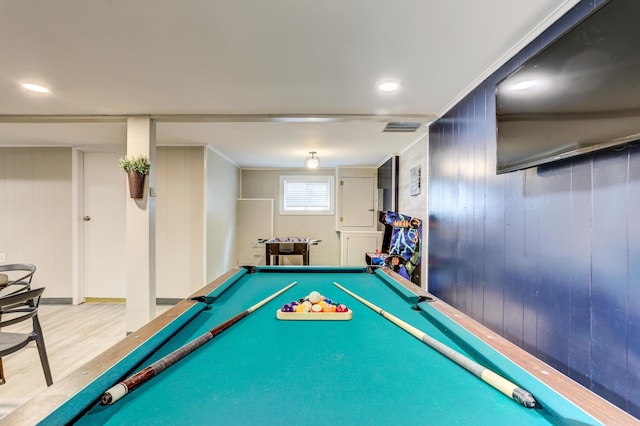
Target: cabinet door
355,245
357,202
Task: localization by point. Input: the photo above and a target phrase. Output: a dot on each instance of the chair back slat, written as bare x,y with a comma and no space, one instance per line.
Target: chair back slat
29,313
21,297
15,278
26,272
19,307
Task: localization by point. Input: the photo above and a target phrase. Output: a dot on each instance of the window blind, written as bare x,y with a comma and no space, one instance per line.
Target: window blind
307,195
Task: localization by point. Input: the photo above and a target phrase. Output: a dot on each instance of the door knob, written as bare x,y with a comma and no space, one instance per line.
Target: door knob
86,218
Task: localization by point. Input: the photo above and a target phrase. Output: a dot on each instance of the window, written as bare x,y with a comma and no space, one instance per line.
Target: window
306,195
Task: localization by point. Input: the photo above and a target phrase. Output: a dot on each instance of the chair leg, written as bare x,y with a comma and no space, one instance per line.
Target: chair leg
2,379
42,351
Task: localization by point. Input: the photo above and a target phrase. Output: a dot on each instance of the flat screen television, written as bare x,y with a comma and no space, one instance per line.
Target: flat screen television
388,185
579,94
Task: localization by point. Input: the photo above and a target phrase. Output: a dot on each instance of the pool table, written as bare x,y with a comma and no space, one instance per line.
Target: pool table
363,370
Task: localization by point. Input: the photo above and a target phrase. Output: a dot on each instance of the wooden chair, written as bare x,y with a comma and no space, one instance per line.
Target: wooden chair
15,277
16,308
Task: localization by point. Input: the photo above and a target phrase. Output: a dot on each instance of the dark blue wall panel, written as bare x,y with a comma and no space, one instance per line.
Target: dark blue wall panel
609,272
475,257
580,272
549,257
633,238
554,219
514,250
530,275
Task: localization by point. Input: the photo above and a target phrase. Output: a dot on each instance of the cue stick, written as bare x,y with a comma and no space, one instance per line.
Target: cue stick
121,389
500,383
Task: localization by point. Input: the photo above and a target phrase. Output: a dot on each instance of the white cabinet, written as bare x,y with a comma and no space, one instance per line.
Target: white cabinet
357,216
357,200
354,245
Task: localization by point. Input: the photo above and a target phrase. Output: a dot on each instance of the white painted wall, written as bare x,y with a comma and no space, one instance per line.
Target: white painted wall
35,214
222,191
196,211
180,221
416,205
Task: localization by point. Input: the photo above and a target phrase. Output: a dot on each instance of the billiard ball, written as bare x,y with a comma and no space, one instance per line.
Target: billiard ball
314,297
342,308
329,308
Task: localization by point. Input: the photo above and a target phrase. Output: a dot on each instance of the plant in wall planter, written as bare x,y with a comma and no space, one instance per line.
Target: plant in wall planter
136,168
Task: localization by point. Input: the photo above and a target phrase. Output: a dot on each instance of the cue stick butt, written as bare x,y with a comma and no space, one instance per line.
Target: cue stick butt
113,394
506,387
524,397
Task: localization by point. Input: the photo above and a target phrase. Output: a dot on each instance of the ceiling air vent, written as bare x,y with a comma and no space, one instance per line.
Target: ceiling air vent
402,126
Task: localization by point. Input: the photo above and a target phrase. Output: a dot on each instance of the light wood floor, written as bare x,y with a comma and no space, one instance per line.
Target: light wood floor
73,335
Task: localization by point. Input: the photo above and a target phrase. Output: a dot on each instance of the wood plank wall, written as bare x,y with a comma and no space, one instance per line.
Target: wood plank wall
35,214
548,257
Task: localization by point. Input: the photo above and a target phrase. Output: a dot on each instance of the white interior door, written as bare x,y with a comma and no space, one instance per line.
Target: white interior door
104,226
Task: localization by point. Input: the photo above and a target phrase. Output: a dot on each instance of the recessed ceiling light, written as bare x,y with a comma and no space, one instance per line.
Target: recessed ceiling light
35,87
389,86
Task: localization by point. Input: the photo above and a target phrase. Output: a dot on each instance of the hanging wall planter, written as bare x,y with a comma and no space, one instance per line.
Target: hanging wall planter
136,184
136,168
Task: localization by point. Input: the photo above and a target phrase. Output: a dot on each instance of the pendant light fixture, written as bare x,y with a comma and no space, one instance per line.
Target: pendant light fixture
312,162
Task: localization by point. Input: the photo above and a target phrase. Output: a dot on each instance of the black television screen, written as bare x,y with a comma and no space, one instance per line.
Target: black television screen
388,184
579,94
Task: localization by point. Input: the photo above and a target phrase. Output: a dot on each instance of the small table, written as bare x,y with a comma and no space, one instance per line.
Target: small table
286,247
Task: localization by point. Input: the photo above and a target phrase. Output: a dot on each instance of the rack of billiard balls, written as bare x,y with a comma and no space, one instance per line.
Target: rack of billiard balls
314,307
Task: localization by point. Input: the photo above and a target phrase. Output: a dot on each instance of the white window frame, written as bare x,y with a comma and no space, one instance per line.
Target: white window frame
308,178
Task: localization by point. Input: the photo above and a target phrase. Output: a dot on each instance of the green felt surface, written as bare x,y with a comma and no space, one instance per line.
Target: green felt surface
265,371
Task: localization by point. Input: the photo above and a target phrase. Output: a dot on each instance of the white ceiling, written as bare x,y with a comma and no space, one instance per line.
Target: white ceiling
262,82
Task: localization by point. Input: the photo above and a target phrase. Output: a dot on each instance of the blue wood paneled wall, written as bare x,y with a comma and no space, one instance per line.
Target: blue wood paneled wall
548,257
